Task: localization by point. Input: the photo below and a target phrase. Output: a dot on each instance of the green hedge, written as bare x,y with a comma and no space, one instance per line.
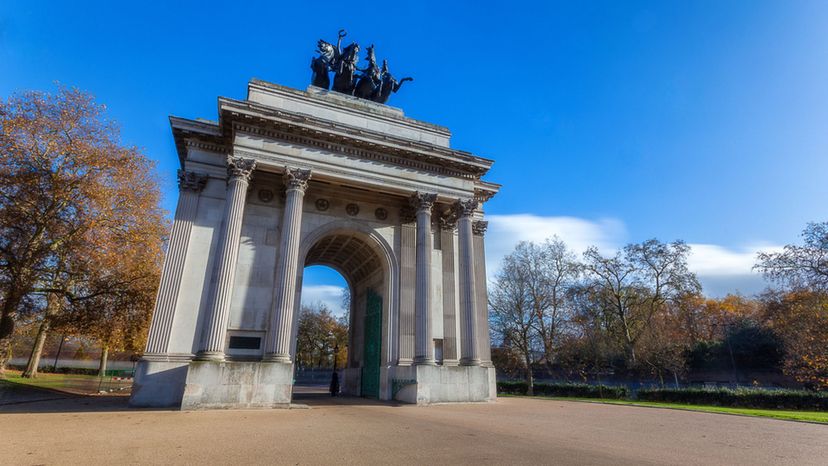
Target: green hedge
60,370
578,390
735,398
739,397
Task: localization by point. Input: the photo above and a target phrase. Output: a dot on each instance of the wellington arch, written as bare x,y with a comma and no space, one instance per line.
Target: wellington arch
286,179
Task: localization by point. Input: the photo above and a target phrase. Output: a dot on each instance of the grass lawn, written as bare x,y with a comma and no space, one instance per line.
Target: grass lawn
819,417
71,383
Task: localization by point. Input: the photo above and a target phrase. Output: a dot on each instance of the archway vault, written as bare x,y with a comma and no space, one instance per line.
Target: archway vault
348,253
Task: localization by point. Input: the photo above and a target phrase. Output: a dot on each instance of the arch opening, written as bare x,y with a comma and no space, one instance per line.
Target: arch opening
356,259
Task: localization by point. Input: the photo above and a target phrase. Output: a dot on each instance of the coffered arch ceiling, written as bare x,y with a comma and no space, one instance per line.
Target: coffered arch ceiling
349,254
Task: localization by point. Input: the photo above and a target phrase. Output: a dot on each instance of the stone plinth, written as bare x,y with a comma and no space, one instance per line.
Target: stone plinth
212,384
424,384
158,384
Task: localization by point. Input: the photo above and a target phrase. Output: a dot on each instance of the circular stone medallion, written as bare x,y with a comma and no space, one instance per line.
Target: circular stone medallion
265,195
352,209
381,213
322,204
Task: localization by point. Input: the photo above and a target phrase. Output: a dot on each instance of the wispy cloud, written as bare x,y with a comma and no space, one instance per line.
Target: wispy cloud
721,270
329,295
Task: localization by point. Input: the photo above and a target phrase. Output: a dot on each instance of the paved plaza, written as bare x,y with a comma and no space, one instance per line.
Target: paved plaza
96,430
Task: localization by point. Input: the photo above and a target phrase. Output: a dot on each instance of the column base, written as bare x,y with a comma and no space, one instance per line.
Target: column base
469,362
217,356
424,361
276,357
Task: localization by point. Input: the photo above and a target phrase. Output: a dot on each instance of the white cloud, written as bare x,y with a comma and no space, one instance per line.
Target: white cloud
506,231
329,295
721,270
710,259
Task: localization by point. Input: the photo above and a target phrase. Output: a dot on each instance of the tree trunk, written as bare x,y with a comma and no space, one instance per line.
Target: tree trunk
631,353
104,357
37,350
5,355
52,308
530,378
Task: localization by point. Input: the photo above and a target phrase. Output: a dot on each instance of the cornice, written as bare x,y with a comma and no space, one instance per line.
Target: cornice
346,149
275,161
232,111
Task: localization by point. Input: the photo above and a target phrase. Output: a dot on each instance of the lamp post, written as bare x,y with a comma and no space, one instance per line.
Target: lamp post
57,356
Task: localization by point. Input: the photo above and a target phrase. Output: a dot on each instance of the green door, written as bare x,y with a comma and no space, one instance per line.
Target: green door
373,337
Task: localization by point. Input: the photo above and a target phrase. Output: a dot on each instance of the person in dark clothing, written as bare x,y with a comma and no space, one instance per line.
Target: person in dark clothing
334,384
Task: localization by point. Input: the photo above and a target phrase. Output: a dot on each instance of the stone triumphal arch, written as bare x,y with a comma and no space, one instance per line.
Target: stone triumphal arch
285,179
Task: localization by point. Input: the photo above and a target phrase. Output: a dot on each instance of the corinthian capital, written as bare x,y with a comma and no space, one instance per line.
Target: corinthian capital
191,181
465,207
240,168
479,227
423,201
296,178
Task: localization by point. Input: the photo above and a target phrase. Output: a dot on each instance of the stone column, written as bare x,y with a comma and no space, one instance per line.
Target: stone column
448,223
190,185
423,343
408,279
468,291
484,343
227,253
287,268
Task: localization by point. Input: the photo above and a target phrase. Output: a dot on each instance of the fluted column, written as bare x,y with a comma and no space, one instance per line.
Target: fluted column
448,223
484,343
227,253
424,346
408,280
468,291
287,268
190,185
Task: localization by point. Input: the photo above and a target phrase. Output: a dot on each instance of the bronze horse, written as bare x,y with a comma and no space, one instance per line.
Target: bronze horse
345,69
369,81
388,85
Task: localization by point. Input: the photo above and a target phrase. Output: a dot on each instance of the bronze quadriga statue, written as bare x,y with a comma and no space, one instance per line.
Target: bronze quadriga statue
371,83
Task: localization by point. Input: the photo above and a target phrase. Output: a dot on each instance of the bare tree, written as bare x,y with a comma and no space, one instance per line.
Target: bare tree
802,267
513,315
555,273
637,282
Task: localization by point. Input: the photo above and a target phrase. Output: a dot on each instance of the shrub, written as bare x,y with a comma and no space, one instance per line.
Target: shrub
577,390
512,388
739,397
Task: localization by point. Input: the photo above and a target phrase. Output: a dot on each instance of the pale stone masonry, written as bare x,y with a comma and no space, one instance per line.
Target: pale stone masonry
286,179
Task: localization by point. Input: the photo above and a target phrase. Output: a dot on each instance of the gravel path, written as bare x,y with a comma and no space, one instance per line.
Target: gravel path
96,430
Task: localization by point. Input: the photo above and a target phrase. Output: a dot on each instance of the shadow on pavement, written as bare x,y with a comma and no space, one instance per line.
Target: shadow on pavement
19,398
318,396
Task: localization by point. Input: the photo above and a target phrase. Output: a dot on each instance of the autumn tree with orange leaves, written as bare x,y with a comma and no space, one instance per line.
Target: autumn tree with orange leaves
81,229
799,311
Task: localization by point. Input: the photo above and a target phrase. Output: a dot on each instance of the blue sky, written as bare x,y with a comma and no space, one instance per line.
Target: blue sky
610,122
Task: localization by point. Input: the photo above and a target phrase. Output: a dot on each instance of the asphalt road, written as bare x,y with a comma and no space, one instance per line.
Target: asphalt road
100,430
